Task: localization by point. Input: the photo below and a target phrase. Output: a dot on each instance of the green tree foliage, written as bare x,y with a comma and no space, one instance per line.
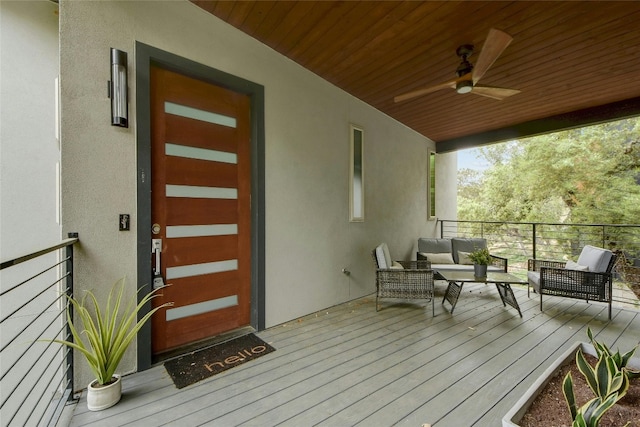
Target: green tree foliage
586,175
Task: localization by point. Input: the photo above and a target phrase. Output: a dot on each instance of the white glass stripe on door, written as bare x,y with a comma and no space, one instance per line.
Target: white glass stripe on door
201,307
200,269
191,191
196,114
200,153
176,231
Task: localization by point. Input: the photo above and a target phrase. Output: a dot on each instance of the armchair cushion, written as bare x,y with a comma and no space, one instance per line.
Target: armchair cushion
466,245
383,257
534,280
597,259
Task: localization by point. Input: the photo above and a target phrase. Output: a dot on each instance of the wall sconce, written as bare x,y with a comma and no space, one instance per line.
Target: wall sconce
118,89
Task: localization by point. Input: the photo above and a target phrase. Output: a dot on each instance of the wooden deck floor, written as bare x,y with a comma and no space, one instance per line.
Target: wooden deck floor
350,365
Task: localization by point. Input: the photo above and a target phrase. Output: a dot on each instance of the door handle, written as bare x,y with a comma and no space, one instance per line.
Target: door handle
156,247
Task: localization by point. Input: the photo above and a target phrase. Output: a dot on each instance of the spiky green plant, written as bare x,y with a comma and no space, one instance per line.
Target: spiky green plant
609,381
589,414
108,333
480,256
620,360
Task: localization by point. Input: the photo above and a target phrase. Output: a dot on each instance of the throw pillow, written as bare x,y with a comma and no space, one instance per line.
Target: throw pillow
397,266
575,266
439,258
463,258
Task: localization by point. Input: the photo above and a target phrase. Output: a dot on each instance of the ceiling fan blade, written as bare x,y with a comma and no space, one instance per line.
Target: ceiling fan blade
423,91
496,42
419,92
498,93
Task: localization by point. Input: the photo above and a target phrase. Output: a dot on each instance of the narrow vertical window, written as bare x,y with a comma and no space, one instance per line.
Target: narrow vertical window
356,175
431,186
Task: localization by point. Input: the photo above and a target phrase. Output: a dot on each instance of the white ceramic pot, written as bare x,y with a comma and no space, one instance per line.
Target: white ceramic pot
101,397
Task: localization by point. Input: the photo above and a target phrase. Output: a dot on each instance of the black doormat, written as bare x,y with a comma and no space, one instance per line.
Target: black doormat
198,365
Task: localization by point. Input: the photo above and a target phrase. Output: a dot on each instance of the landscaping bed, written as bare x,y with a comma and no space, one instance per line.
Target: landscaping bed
550,409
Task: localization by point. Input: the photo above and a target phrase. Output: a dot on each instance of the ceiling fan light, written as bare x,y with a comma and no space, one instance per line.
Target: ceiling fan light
464,86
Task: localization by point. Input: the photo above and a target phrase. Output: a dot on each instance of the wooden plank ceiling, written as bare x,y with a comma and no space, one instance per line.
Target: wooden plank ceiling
566,56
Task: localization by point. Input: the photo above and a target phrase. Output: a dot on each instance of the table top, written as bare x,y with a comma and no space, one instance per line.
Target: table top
492,277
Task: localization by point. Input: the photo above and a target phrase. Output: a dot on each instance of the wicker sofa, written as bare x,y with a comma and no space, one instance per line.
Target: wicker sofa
452,254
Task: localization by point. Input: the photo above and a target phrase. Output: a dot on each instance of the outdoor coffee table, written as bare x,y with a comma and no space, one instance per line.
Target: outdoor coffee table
502,281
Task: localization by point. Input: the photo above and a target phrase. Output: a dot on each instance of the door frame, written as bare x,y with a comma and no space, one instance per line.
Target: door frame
146,56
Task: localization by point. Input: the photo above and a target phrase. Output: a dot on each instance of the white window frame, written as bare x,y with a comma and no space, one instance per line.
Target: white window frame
431,185
356,177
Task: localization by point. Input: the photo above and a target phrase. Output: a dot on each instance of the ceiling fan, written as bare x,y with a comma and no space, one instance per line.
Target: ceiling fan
468,75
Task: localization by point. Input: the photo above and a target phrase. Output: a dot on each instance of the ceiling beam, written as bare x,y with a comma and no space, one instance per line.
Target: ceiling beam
580,118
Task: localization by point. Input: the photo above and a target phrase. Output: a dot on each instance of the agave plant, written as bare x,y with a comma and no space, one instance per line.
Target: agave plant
108,333
609,381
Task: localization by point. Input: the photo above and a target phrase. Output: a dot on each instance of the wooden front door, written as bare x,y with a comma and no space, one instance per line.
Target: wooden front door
201,169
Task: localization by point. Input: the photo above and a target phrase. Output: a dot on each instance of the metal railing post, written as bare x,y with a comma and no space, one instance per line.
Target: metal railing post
69,286
533,234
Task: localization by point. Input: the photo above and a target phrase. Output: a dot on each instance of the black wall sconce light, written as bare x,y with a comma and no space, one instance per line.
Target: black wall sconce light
118,89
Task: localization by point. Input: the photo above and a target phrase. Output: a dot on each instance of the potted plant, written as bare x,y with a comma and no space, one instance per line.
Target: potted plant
481,258
108,332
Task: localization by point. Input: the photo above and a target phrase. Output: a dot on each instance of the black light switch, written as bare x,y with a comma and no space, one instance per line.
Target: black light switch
124,222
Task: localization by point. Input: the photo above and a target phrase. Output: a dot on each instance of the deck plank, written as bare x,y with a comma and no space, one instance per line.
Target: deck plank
388,361
350,365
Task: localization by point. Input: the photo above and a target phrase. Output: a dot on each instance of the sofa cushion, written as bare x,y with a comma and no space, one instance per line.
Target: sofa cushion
597,259
438,258
466,245
382,256
434,246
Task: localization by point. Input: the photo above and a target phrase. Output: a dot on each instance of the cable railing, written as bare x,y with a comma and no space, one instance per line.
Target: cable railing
520,241
36,375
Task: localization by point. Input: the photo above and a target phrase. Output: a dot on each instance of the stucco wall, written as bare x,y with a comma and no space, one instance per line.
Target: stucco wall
447,183
29,149
29,155
308,236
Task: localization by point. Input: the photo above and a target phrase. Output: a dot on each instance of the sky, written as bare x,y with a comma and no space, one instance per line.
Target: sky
467,159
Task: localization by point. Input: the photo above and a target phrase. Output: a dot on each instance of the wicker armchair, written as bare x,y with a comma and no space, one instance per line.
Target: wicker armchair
567,279
404,279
